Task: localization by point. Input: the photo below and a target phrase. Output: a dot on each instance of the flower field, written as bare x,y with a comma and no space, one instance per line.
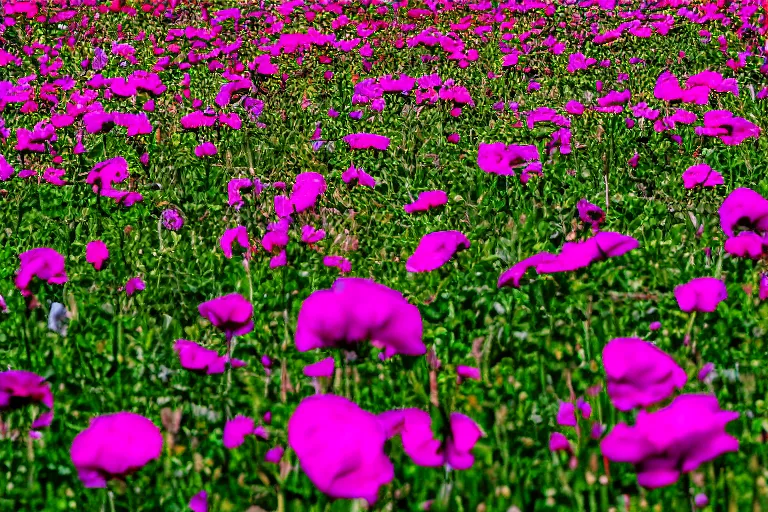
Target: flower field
337,255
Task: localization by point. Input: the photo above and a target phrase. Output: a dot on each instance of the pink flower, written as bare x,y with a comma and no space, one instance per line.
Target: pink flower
359,176
427,200
340,447
744,208
205,149
559,443
113,446
19,388
231,313
235,431
638,374
279,260
134,284
498,158
414,427
355,310
274,455
96,253
703,175
676,439
367,141
590,214
200,359
566,414
763,289
746,245
199,502
701,294
43,263
310,235
467,372
322,368
435,249
339,262
230,236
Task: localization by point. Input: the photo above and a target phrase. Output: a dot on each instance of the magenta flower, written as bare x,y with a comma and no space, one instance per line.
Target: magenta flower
134,284
639,374
230,236
279,260
235,431
310,235
590,214
744,208
467,372
19,388
339,262
355,310
205,149
172,221
676,439
427,200
763,288
236,185
705,371
559,443
498,158
231,313
655,326
96,253
703,175
573,256
340,447
414,427
731,130
113,446
200,359
6,171
512,276
367,141
322,368
274,455
566,414
43,263
357,175
701,294
435,249
199,502
747,245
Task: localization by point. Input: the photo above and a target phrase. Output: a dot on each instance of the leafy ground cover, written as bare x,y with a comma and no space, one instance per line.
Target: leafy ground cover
521,246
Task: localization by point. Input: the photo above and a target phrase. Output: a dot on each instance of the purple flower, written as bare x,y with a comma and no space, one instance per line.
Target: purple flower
231,313
43,263
114,446
19,388
559,443
639,374
702,294
566,414
467,372
359,176
339,262
590,214
340,447
199,502
367,141
235,431
414,427
744,208
655,326
135,284
200,359
706,370
436,249
310,235
673,440
274,455
172,220
355,310
96,253
703,175
230,236
322,368
427,200
205,149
